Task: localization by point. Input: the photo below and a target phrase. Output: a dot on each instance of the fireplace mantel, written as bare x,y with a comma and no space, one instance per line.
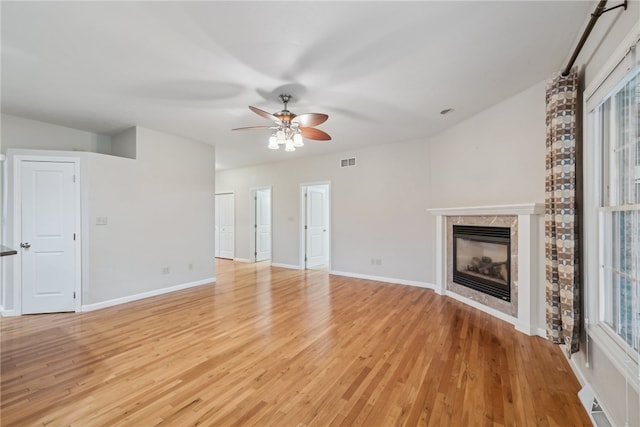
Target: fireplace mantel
521,209
527,282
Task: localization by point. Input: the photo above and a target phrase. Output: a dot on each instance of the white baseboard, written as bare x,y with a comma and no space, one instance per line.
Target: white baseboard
574,367
130,298
384,279
242,260
530,330
526,328
7,313
289,266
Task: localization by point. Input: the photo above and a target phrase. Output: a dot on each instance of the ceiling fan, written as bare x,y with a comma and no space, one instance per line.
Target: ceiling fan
289,129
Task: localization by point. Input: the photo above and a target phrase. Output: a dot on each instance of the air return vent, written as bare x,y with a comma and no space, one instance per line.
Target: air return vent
590,403
346,163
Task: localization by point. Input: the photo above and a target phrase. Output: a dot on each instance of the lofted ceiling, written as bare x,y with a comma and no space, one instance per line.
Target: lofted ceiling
383,71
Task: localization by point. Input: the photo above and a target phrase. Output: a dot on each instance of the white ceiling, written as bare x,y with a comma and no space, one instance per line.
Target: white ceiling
383,71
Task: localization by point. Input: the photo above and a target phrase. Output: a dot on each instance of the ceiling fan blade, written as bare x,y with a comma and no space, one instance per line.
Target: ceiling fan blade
265,114
310,119
313,133
254,127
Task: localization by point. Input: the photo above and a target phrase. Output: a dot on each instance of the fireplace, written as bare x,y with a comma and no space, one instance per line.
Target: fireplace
482,259
524,244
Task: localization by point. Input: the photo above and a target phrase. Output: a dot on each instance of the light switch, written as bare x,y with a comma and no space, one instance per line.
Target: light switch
101,220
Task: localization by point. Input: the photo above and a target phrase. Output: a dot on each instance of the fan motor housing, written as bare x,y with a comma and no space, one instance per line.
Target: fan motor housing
285,115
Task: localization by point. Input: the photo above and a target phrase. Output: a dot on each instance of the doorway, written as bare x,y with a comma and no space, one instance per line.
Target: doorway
47,234
225,225
315,233
261,224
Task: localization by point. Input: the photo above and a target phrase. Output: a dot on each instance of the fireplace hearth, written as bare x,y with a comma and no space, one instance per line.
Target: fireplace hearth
482,259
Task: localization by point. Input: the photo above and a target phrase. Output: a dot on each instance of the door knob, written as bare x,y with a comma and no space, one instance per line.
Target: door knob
25,245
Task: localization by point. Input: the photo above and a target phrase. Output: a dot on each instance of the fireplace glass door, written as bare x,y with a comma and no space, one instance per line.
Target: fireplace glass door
481,259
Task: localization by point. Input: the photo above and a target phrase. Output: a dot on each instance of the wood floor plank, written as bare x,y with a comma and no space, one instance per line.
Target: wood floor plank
272,346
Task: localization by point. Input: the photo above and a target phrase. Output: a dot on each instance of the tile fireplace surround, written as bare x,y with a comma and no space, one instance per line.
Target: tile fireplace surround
526,285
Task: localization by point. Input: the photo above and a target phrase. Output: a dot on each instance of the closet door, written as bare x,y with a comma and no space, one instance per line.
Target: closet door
225,226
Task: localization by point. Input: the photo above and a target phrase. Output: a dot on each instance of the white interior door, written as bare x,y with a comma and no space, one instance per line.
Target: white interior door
225,225
216,233
317,216
262,226
48,245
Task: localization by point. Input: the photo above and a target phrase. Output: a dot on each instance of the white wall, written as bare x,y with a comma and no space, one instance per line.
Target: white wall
18,132
160,214
377,207
124,143
496,157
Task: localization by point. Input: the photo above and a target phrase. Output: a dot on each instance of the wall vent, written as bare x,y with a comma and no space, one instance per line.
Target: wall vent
595,411
345,163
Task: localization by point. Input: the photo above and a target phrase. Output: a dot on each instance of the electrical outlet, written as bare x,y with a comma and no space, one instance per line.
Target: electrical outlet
190,266
378,261
373,261
165,270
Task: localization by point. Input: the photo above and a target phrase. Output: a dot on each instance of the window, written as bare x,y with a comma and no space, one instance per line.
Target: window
616,125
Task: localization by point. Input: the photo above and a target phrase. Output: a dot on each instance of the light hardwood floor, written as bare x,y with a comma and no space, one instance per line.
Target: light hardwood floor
270,346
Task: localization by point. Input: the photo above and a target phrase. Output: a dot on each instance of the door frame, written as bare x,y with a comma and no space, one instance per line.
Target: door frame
303,219
252,241
17,224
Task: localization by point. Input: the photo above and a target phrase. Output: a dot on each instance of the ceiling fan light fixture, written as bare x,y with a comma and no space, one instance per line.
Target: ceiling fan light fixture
273,143
297,140
288,146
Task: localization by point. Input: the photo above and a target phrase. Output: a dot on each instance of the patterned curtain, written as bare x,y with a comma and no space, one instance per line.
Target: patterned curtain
561,234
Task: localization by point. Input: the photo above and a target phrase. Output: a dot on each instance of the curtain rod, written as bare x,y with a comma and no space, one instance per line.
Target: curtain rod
599,11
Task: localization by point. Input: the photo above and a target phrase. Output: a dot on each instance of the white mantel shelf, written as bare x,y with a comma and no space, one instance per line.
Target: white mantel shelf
528,244
519,209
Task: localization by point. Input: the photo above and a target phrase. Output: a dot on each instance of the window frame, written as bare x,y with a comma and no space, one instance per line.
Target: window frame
611,202
616,72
